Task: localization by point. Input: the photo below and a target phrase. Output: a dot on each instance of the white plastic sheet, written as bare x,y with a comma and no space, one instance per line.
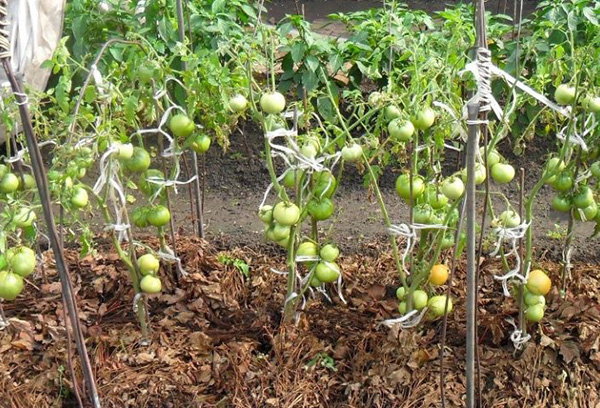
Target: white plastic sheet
35,29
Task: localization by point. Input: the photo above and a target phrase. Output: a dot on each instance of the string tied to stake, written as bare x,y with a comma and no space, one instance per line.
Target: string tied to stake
512,235
517,337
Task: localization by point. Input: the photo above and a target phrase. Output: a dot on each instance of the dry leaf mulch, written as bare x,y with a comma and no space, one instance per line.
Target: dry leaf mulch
217,340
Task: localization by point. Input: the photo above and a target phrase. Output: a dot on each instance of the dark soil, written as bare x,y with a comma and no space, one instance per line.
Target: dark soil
320,9
218,341
316,11
236,182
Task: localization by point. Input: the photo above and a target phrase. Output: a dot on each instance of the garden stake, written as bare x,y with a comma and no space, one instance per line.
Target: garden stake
522,323
448,293
199,192
163,163
40,179
473,111
480,106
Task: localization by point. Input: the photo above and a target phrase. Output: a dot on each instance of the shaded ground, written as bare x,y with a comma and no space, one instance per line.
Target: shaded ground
316,11
218,342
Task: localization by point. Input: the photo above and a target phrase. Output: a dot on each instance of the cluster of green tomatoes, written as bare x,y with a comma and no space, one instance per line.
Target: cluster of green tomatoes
537,286
436,305
572,195
323,267
149,265
15,265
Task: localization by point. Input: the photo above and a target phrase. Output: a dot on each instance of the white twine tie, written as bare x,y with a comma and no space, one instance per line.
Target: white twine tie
516,336
411,319
513,235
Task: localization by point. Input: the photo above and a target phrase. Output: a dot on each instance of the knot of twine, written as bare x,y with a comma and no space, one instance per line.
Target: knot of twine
409,232
516,336
512,235
411,319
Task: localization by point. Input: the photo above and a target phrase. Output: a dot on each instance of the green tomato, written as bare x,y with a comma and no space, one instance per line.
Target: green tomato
453,188
437,306
28,182
25,217
403,186
314,281
269,233
563,182
281,232
592,103
139,162
320,208
289,178
150,284
329,253
327,272
532,300
503,173
588,213
437,200
266,214
284,242
159,216
447,241
509,219
402,308
307,248
286,213
561,203
238,103
181,125
3,170
309,150
272,103
400,293
125,151
493,156
374,99
424,119
9,183
148,264
199,143
584,197
480,174
595,169
325,184
3,262
80,198
420,299
11,285
140,217
534,313
422,214
392,112
54,175
22,261
555,165
564,94
401,130
145,73
352,153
